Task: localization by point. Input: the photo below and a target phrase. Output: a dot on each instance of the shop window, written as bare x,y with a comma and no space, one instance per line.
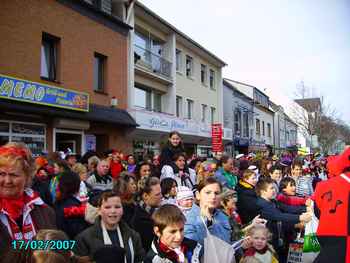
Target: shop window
100,62
33,135
49,50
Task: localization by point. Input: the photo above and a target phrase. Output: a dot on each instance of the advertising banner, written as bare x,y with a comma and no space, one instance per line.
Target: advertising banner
38,93
216,136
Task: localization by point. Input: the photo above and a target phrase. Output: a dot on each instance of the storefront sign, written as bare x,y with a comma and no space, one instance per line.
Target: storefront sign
166,123
38,93
216,135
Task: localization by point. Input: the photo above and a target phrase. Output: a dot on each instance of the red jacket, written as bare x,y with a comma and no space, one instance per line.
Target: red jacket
116,169
291,200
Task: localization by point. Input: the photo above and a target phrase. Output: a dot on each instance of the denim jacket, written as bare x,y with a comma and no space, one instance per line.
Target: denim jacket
196,230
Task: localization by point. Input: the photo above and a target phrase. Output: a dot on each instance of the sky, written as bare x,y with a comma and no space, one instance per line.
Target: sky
274,45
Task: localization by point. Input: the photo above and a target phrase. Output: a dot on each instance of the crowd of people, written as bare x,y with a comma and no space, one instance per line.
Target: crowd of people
117,209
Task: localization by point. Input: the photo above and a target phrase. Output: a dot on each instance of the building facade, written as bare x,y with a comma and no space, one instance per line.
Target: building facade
63,76
174,84
251,117
285,130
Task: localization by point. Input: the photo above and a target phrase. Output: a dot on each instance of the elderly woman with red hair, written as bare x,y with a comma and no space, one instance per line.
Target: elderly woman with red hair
22,211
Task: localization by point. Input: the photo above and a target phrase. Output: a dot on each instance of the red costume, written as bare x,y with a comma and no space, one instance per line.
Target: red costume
332,199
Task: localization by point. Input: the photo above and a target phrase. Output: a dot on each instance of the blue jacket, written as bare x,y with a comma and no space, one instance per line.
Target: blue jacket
195,229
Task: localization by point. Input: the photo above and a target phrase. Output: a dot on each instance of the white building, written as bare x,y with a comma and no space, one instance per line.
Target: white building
174,83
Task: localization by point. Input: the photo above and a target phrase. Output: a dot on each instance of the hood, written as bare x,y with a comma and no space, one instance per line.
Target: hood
338,163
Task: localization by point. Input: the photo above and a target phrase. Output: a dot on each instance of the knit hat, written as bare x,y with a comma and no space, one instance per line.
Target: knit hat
41,162
226,193
183,193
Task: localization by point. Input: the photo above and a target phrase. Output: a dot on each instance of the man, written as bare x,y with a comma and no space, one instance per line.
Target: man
101,180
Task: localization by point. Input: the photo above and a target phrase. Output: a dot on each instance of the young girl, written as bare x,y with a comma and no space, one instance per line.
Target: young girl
260,250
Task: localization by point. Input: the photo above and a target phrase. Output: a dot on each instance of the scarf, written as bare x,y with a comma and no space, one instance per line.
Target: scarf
245,184
107,239
12,210
177,254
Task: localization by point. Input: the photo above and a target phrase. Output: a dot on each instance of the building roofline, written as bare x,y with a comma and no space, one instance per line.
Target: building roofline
157,17
229,85
245,84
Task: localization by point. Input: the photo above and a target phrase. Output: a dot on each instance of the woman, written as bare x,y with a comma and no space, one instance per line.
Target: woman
127,188
82,171
246,205
173,146
179,172
59,167
224,173
70,209
17,168
110,231
143,169
205,170
216,221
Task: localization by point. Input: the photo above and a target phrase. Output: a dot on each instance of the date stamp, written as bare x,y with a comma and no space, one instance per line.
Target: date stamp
43,244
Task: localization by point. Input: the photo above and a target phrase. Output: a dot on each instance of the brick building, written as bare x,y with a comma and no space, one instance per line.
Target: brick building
63,76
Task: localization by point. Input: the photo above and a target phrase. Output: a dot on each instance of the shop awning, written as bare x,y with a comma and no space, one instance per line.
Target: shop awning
96,112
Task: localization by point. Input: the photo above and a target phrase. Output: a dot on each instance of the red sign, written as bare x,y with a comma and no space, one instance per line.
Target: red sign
216,137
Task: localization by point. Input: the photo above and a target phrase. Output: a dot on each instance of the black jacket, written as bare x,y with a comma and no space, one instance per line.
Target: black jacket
142,223
91,240
71,225
168,152
246,203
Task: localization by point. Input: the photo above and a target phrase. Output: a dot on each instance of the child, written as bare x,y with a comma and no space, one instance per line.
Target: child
303,181
168,186
171,246
260,251
281,219
184,199
287,193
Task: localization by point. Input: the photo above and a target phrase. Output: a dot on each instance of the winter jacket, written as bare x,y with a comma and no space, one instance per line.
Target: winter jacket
187,177
196,230
226,179
71,224
100,183
168,152
43,218
246,203
91,240
191,251
142,223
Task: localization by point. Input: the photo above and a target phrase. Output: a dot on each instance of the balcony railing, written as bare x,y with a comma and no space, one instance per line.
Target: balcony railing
153,62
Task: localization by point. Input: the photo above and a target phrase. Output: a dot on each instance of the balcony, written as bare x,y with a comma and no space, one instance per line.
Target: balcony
153,64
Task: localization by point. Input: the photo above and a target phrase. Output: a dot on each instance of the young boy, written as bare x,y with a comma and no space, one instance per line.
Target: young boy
281,218
287,193
171,246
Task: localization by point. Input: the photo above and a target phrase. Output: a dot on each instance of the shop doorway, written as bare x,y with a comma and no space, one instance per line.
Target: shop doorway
64,139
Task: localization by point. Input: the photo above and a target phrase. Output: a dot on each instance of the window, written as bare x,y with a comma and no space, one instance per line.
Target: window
33,135
204,112
212,114
99,72
178,60
189,66
49,47
212,79
157,102
269,130
263,128
257,127
245,124
148,99
237,122
143,98
203,74
189,109
178,106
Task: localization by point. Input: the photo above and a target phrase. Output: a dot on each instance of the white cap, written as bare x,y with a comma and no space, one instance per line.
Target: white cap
252,167
239,156
183,193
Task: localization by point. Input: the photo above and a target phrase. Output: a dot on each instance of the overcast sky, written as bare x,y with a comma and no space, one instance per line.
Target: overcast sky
273,44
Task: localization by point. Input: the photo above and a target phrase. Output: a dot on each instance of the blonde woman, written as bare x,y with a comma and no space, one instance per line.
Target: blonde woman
22,212
205,170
